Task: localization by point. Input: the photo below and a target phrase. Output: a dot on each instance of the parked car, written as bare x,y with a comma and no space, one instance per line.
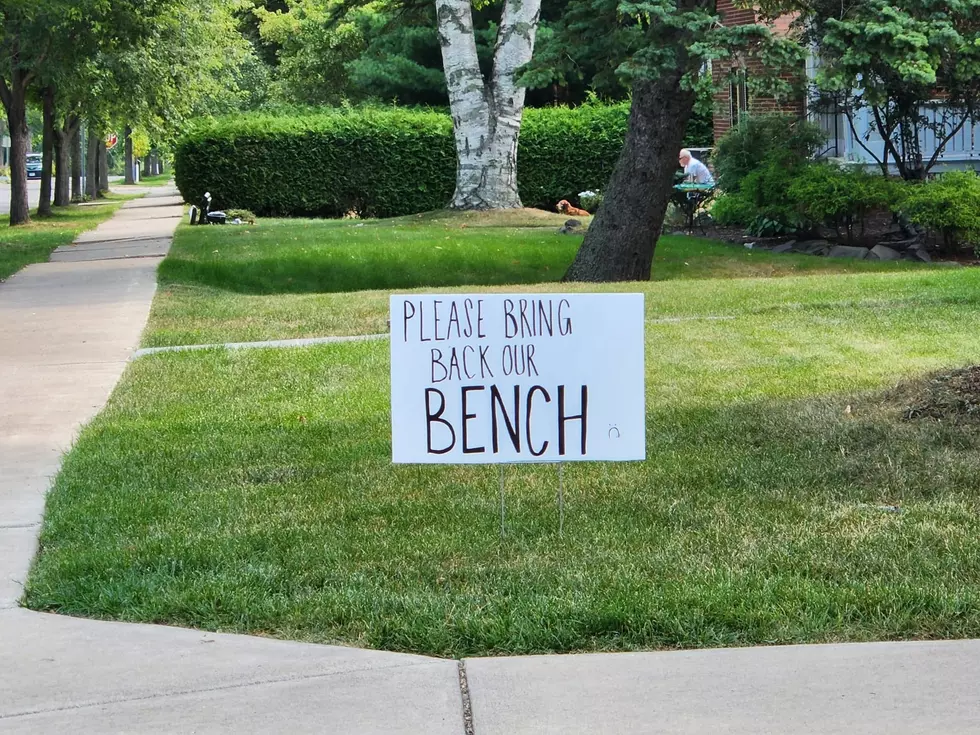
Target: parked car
33,165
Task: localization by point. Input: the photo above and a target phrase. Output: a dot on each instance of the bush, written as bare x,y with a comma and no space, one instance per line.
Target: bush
840,198
949,204
384,162
745,147
733,209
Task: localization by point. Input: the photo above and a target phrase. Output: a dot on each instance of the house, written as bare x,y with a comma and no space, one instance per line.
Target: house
854,140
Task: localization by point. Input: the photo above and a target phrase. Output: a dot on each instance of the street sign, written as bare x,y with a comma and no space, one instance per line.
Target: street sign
110,141
503,378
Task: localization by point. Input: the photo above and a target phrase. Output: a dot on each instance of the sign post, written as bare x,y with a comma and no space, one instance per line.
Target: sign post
512,378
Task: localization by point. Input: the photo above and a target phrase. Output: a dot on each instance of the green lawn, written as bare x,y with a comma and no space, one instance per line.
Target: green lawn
158,180
33,243
291,278
253,491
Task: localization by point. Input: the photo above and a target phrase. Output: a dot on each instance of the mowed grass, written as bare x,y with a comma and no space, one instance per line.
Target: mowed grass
293,278
253,491
33,243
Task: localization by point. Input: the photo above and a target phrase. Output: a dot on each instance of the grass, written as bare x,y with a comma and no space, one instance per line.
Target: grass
33,243
158,180
291,278
253,491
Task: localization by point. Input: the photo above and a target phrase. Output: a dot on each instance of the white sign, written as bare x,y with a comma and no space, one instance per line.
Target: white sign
488,378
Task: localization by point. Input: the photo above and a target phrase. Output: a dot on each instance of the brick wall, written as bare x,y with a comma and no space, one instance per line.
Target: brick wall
752,67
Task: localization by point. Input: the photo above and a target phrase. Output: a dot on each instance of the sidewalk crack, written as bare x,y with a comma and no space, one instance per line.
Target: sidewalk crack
464,693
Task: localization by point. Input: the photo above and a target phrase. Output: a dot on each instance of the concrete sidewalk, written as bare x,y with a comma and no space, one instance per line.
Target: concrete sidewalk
67,329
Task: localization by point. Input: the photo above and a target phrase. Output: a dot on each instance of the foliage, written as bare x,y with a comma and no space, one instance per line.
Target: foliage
744,147
732,208
383,162
889,57
590,200
949,205
765,188
841,198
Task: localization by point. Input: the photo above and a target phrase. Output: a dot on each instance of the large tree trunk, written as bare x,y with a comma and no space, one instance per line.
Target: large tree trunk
92,163
486,114
76,164
146,165
47,152
621,240
103,167
130,178
14,98
63,137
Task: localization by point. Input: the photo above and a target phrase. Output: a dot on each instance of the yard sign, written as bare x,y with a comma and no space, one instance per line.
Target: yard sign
499,378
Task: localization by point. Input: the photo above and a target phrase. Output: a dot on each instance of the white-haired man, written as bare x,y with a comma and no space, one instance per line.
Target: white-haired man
695,172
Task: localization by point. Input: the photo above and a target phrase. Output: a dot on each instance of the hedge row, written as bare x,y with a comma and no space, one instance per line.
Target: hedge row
384,162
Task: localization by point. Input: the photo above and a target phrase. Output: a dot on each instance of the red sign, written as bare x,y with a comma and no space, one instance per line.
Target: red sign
110,141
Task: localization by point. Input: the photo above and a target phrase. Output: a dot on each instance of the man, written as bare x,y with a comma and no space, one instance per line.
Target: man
695,172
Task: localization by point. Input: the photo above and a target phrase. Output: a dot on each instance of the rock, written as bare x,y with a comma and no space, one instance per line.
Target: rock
921,254
883,252
911,242
785,247
566,230
848,251
812,247
570,223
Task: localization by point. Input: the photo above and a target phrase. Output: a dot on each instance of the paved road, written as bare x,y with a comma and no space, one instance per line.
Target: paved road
33,193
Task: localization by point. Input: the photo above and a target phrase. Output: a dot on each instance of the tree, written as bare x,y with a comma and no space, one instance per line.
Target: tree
486,111
661,49
913,65
24,44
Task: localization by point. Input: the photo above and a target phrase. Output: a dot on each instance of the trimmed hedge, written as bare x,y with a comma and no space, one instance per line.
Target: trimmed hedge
384,162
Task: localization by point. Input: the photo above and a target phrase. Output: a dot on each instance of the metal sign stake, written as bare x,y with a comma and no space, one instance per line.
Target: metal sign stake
561,498
500,467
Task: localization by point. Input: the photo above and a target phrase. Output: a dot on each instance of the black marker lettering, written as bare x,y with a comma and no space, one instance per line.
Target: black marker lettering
563,418
431,418
513,428
467,449
530,399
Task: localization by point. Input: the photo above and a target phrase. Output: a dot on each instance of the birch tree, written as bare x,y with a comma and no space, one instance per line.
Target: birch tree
486,111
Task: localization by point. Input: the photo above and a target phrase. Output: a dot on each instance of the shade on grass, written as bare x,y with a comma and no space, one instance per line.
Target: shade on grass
253,491
33,243
292,278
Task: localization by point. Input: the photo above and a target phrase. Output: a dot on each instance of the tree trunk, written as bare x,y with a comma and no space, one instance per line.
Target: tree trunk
486,114
146,165
103,167
621,240
47,152
64,134
92,164
14,99
130,178
76,164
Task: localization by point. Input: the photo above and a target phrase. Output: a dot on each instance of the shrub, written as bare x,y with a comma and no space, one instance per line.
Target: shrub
949,204
384,162
590,200
732,209
840,198
745,147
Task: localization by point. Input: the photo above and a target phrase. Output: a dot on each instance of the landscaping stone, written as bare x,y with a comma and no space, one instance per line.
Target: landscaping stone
812,247
785,247
901,244
883,252
571,227
922,254
848,251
